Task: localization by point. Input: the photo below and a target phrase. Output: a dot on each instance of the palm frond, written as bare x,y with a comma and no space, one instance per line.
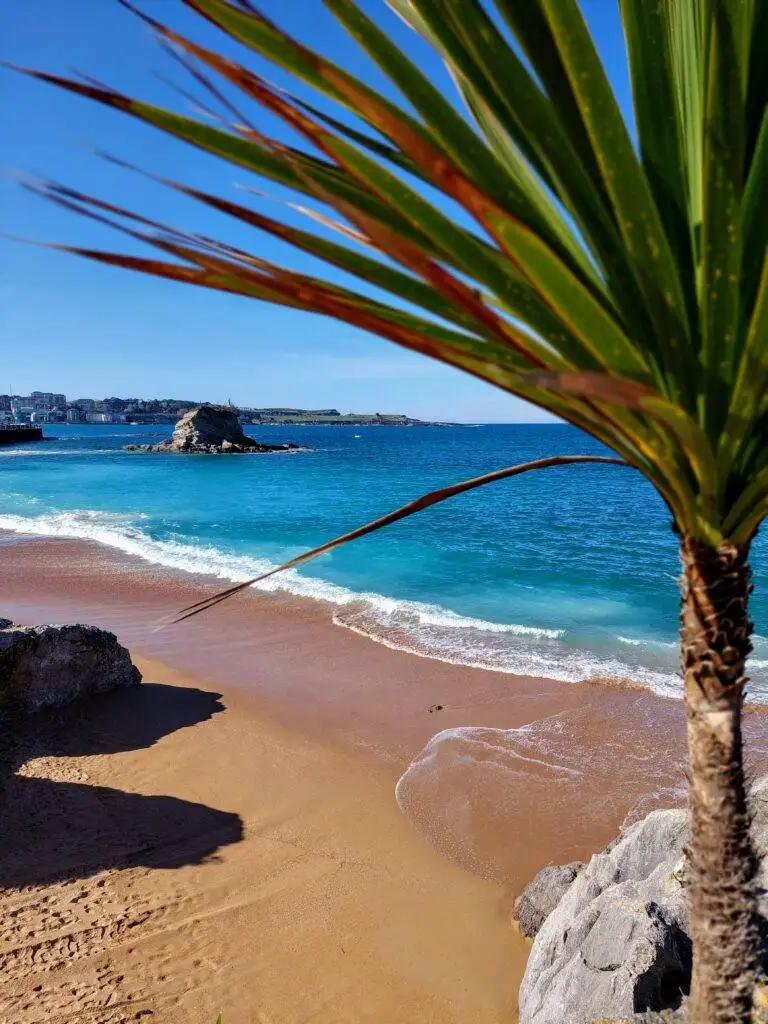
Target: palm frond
417,505
620,286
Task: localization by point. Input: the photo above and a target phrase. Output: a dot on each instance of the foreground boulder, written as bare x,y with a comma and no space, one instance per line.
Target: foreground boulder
617,944
49,666
539,899
210,430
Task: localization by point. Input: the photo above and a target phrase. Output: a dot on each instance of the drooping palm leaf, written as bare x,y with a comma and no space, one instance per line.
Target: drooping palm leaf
404,512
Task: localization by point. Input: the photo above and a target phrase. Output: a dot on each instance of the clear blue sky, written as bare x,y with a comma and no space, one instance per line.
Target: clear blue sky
73,326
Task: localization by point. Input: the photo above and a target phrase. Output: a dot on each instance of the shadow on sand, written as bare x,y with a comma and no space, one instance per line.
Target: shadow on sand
59,828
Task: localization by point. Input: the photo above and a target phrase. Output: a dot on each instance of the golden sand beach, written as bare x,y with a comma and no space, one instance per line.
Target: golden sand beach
227,837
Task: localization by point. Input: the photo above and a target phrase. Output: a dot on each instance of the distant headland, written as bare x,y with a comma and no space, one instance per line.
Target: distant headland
51,407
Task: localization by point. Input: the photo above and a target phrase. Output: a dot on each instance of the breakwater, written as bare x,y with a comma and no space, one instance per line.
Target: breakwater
15,434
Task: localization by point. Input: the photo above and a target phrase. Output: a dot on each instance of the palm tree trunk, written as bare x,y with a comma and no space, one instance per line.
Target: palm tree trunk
715,632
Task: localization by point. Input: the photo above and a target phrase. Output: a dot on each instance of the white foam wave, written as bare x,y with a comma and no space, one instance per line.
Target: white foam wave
405,614
118,530
527,657
645,642
422,629
470,774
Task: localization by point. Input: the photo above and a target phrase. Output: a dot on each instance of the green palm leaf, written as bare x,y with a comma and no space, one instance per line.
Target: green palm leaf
589,255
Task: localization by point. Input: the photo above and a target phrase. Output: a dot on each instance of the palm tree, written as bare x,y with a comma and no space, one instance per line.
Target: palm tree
527,237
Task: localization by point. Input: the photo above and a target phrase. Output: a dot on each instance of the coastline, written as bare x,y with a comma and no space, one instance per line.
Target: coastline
321,726
284,656
421,627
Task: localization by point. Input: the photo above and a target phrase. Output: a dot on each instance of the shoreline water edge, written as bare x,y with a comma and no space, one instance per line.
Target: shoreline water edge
416,627
469,749
569,574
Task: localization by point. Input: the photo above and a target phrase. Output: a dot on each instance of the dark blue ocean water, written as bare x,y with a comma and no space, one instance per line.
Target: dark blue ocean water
570,572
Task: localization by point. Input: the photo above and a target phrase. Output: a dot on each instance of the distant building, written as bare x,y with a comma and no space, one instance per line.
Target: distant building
21,409
104,417
39,407
46,400
75,414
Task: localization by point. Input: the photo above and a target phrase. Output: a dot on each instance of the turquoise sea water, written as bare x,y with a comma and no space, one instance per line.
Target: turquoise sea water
570,572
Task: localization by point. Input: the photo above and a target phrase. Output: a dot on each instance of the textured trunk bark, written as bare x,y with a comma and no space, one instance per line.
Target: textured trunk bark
715,642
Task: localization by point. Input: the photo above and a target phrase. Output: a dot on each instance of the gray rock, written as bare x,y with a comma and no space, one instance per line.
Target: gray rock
49,666
617,944
539,899
208,425
210,430
5,623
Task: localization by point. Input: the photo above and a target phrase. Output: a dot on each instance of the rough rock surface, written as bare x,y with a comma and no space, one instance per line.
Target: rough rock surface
210,429
617,944
49,666
534,905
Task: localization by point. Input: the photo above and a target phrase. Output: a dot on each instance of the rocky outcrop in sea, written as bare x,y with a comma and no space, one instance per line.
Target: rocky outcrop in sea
50,666
612,937
211,430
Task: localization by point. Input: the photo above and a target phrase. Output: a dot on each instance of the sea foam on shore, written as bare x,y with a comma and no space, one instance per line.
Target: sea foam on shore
420,628
570,574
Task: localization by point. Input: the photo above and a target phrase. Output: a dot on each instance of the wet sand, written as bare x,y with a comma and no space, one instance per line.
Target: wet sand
228,837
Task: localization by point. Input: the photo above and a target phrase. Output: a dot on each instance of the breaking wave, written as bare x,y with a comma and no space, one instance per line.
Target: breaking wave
423,629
